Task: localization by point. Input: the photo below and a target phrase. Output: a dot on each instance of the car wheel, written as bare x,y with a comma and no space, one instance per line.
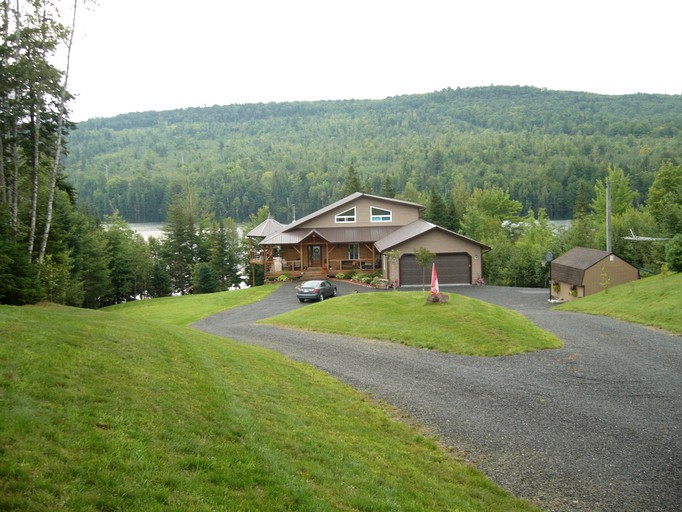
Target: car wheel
321,296
335,292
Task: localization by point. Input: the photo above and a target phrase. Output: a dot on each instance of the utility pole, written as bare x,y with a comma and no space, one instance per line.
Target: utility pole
608,216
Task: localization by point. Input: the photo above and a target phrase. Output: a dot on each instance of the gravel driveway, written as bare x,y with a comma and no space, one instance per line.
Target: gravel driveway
593,426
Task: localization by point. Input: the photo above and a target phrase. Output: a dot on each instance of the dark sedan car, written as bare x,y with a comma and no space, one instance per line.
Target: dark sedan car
315,290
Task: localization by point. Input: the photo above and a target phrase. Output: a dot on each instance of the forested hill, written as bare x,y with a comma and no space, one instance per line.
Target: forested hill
539,144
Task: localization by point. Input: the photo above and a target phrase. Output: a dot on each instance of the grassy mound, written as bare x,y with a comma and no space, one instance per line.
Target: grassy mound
461,326
655,301
104,410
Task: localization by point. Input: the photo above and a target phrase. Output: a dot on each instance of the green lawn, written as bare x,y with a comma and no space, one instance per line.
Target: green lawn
461,326
107,410
654,301
189,308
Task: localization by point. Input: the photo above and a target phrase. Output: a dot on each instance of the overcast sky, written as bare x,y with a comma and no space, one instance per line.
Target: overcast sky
137,55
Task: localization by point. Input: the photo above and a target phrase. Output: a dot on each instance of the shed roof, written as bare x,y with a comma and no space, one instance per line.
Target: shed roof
570,267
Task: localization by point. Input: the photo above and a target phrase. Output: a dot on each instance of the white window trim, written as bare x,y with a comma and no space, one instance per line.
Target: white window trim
380,218
340,218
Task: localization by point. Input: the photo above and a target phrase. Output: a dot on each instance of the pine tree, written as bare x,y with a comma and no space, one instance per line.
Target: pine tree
351,183
387,189
180,244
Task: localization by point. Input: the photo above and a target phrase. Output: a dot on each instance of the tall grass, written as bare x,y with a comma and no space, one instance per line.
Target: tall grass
461,326
109,411
654,301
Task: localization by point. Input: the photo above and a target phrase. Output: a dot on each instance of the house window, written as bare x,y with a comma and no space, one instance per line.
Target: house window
347,216
381,215
353,251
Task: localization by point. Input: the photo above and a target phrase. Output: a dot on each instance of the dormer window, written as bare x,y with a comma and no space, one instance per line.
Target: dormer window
381,215
347,216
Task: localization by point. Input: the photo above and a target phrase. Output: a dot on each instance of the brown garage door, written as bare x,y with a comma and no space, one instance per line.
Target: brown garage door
451,269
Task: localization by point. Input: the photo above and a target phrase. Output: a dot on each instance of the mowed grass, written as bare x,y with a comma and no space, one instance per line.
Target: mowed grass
186,309
105,410
461,326
654,301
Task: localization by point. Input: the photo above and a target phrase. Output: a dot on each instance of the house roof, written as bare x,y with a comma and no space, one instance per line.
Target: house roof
415,229
266,228
340,203
331,235
383,237
570,267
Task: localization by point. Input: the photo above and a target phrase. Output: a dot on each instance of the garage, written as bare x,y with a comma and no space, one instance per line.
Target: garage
451,269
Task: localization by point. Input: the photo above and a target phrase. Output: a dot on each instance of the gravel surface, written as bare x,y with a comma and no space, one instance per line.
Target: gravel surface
594,426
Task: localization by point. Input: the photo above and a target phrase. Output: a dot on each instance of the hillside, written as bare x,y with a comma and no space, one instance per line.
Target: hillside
655,301
539,144
104,410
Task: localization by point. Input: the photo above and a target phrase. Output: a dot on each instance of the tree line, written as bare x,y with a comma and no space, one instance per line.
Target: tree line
541,145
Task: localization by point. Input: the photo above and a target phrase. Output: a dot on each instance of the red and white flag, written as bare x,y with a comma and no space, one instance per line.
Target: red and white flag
434,281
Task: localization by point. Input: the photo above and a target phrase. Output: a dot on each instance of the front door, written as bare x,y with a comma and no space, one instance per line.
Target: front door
314,255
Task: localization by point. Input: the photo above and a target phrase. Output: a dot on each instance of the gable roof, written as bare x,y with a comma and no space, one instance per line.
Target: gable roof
570,267
342,202
266,228
415,229
581,258
331,235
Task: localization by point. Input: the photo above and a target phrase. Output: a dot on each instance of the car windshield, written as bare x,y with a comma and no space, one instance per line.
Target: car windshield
311,284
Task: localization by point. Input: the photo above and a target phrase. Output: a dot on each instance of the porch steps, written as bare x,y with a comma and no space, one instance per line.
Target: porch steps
314,273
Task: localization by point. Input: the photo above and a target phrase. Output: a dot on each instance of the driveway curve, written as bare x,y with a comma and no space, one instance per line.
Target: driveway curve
594,426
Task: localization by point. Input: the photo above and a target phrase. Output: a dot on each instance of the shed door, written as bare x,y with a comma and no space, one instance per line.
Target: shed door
451,269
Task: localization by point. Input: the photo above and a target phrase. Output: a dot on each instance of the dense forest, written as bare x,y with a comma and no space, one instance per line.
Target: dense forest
541,146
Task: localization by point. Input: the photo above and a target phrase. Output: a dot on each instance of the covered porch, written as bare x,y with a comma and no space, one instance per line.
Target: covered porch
314,256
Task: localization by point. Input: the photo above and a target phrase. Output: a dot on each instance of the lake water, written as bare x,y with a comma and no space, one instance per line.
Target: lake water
147,229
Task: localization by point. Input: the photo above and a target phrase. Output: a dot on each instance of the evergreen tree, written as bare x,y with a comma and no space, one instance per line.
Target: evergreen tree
436,210
92,261
224,253
387,189
351,183
130,262
180,244
160,282
204,279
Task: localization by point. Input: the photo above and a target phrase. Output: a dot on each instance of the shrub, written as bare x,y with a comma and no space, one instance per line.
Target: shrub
340,275
673,253
283,278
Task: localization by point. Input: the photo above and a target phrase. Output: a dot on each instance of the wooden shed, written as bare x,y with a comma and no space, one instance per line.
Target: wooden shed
581,271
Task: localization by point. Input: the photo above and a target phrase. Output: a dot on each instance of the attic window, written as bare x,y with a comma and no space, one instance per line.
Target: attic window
347,216
381,215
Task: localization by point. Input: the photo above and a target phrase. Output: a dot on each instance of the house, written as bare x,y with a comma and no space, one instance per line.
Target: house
580,272
361,233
